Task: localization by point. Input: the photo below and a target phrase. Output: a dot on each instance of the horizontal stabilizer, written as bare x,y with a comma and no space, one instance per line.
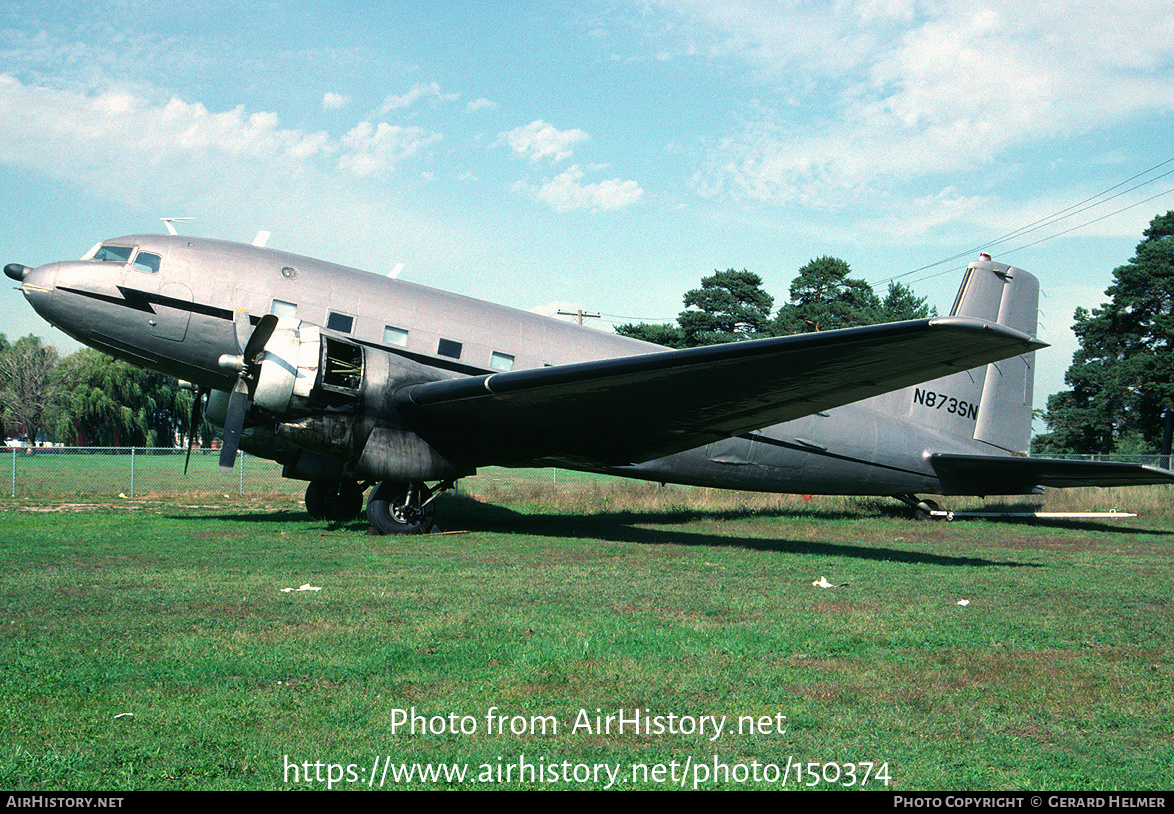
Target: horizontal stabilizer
635,408
1004,475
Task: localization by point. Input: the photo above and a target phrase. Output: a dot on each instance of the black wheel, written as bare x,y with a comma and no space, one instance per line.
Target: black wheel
924,508
394,508
334,499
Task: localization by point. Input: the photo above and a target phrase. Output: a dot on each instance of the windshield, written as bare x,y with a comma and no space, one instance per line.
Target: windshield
143,261
113,254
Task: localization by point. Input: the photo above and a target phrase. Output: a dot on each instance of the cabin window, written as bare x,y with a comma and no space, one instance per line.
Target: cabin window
340,322
395,336
501,361
449,348
145,261
284,310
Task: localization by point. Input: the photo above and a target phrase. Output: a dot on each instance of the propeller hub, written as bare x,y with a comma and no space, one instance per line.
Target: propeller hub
16,271
232,361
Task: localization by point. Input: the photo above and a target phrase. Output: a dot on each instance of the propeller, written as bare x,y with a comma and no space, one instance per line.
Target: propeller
251,346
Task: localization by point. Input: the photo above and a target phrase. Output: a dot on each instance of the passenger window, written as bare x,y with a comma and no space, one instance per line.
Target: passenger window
449,348
284,310
395,336
501,361
145,261
340,322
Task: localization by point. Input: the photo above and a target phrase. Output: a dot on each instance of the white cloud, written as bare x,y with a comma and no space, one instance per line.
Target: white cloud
374,150
866,93
334,101
481,104
417,93
538,140
126,145
566,192
906,220
130,149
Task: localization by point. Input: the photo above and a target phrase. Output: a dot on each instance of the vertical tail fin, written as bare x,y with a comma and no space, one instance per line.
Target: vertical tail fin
991,404
1009,296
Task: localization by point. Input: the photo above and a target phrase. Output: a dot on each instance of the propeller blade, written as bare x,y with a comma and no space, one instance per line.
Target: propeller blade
234,423
259,337
243,328
238,403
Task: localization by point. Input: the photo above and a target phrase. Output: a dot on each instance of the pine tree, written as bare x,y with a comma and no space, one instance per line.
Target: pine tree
1122,376
824,298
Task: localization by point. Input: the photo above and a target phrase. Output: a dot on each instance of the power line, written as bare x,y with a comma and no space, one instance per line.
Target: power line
1042,239
1055,217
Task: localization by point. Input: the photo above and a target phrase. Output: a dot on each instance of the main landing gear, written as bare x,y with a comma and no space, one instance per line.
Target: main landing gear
337,500
392,508
404,508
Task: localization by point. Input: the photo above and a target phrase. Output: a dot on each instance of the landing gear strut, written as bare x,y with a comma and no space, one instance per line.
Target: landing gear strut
403,508
922,509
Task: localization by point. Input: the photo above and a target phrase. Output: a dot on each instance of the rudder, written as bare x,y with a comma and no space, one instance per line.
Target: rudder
1009,296
990,404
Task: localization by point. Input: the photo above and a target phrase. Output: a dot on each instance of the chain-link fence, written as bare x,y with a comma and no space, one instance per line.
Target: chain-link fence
98,472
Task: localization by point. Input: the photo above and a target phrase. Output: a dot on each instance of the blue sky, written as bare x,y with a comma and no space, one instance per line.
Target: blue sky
597,155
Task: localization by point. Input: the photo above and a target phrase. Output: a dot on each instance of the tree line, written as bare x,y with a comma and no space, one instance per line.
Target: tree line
88,399
732,306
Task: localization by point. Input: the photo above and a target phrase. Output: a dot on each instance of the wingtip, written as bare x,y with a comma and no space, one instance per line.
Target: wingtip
983,325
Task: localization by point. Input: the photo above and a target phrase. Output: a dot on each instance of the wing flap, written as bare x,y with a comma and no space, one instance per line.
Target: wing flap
636,408
1003,475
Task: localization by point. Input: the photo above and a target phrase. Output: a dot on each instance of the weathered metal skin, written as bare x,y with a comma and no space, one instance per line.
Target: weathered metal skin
341,375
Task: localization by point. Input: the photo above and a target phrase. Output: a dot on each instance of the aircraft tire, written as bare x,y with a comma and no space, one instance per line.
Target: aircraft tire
924,508
388,510
337,500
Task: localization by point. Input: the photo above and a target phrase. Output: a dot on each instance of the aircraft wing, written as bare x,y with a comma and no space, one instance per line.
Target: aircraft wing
635,408
1004,475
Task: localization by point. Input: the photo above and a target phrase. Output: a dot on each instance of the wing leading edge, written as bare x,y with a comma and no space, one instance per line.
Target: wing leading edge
1002,475
636,408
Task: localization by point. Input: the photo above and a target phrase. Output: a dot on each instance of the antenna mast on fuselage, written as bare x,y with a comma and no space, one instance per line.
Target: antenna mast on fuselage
168,222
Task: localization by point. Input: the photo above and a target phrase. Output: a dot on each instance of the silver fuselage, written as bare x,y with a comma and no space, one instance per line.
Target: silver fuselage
171,310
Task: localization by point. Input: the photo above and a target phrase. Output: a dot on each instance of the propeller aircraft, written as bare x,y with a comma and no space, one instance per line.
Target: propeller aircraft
358,382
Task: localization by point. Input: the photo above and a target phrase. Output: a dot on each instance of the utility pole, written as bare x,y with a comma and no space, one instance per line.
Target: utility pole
579,314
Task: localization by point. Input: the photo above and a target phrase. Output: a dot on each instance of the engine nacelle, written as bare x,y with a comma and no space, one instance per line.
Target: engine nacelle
333,397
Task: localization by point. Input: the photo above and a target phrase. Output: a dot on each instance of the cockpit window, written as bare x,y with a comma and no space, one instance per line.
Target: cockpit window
145,261
114,254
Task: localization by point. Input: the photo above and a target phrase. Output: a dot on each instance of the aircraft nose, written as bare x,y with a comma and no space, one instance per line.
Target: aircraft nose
36,284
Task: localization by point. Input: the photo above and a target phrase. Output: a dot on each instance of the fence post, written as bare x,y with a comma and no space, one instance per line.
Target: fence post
14,471
132,472
242,473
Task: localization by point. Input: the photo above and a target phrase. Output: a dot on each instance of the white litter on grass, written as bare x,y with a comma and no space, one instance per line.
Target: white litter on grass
822,582
963,602
306,587
124,715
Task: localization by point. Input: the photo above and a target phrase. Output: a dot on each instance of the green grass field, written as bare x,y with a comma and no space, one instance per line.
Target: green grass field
148,645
